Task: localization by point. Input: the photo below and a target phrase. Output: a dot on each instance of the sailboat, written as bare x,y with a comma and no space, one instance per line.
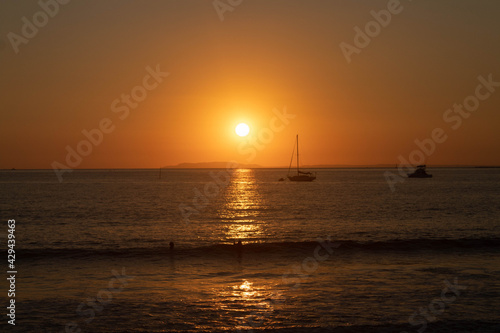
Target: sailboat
301,176
419,173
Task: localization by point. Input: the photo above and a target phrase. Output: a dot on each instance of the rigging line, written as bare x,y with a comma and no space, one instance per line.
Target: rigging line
291,160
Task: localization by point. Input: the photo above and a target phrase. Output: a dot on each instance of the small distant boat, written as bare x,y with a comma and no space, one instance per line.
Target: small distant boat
419,173
301,176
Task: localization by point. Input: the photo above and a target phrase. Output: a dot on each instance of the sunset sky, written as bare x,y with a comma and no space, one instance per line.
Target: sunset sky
264,58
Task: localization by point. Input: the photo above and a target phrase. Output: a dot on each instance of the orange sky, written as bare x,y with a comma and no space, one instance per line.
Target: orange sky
264,55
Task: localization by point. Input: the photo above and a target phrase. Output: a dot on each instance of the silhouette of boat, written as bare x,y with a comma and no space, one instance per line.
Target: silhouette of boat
419,173
301,176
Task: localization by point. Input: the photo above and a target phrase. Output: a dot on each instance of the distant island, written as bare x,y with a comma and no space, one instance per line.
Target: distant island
210,165
222,165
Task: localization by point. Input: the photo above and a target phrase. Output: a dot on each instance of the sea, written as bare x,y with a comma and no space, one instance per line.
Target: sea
143,250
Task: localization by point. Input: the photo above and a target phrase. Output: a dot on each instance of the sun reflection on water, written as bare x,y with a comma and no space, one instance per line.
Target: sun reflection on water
241,208
244,302
244,290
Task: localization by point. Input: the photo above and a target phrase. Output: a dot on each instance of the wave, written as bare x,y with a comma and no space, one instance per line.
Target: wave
275,248
452,326
455,326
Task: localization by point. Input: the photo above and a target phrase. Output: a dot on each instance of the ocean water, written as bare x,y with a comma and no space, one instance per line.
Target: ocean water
340,254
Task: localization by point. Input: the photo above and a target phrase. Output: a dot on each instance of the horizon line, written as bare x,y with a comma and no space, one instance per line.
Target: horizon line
319,166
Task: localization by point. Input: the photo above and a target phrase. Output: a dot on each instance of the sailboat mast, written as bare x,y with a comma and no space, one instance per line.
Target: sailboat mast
297,154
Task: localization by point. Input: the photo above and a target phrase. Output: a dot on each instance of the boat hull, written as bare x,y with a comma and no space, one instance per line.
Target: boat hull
301,178
410,175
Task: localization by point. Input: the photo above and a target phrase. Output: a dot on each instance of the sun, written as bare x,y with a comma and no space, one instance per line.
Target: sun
242,129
